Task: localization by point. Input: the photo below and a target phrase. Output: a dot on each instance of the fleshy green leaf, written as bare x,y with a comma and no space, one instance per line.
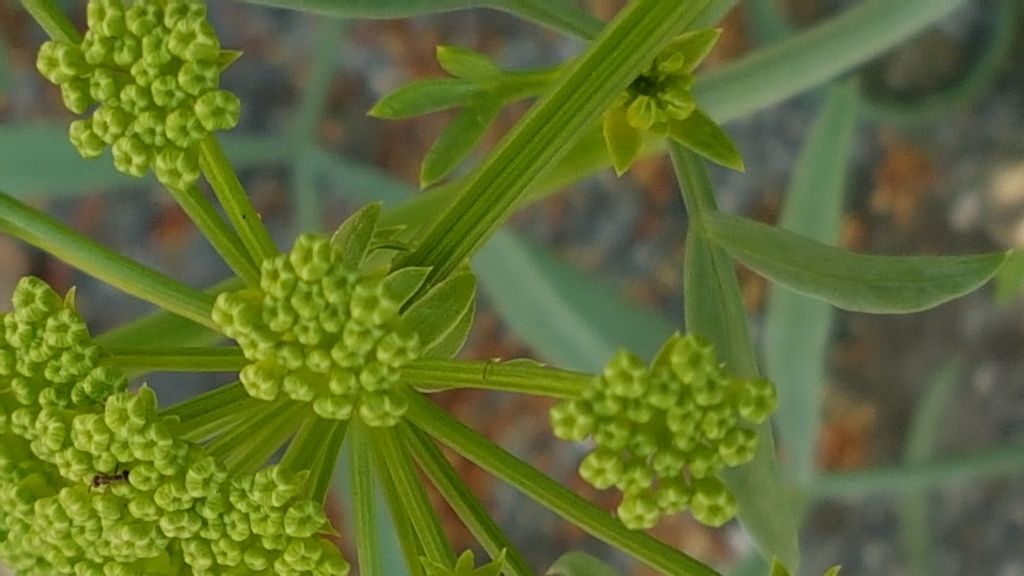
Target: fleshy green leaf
856,282
467,64
439,311
459,138
423,97
353,236
579,564
695,46
700,134
623,140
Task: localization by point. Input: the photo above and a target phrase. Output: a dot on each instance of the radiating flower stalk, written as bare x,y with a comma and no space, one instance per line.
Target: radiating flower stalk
331,343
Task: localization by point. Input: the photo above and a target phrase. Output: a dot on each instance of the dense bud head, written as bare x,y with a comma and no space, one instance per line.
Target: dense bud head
156,63
662,431
319,331
94,481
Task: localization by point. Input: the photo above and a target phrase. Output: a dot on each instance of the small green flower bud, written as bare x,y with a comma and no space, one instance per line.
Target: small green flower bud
711,502
602,468
382,409
738,446
144,74
638,511
673,495
304,519
131,156
127,50
97,49
76,96
193,40
198,78
106,17
262,380
757,399
155,53
334,407
149,128
177,168
704,462
218,110
643,113
166,92
110,123
104,85
614,434
571,420
135,98
85,139
143,17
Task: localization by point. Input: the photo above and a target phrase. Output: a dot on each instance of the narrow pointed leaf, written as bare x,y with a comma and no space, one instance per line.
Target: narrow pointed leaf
695,46
402,284
1010,279
467,64
423,97
459,139
701,135
623,140
353,237
439,311
449,344
856,282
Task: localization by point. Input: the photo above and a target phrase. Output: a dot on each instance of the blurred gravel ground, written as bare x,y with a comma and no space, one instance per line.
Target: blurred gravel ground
953,186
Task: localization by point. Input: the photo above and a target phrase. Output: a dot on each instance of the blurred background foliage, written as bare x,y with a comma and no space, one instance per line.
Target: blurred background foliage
900,435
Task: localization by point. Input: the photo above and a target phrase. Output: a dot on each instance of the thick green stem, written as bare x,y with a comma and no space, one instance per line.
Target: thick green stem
543,489
523,377
162,328
411,495
461,499
327,459
408,540
188,359
97,260
236,203
247,447
217,232
315,448
53,20
205,415
364,499
547,131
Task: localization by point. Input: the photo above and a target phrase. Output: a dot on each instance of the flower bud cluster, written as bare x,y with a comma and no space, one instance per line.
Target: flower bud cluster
319,331
661,94
152,71
663,434
94,481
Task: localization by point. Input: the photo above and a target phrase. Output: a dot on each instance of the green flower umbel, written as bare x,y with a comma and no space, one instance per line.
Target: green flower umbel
150,73
323,329
664,433
95,481
659,101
